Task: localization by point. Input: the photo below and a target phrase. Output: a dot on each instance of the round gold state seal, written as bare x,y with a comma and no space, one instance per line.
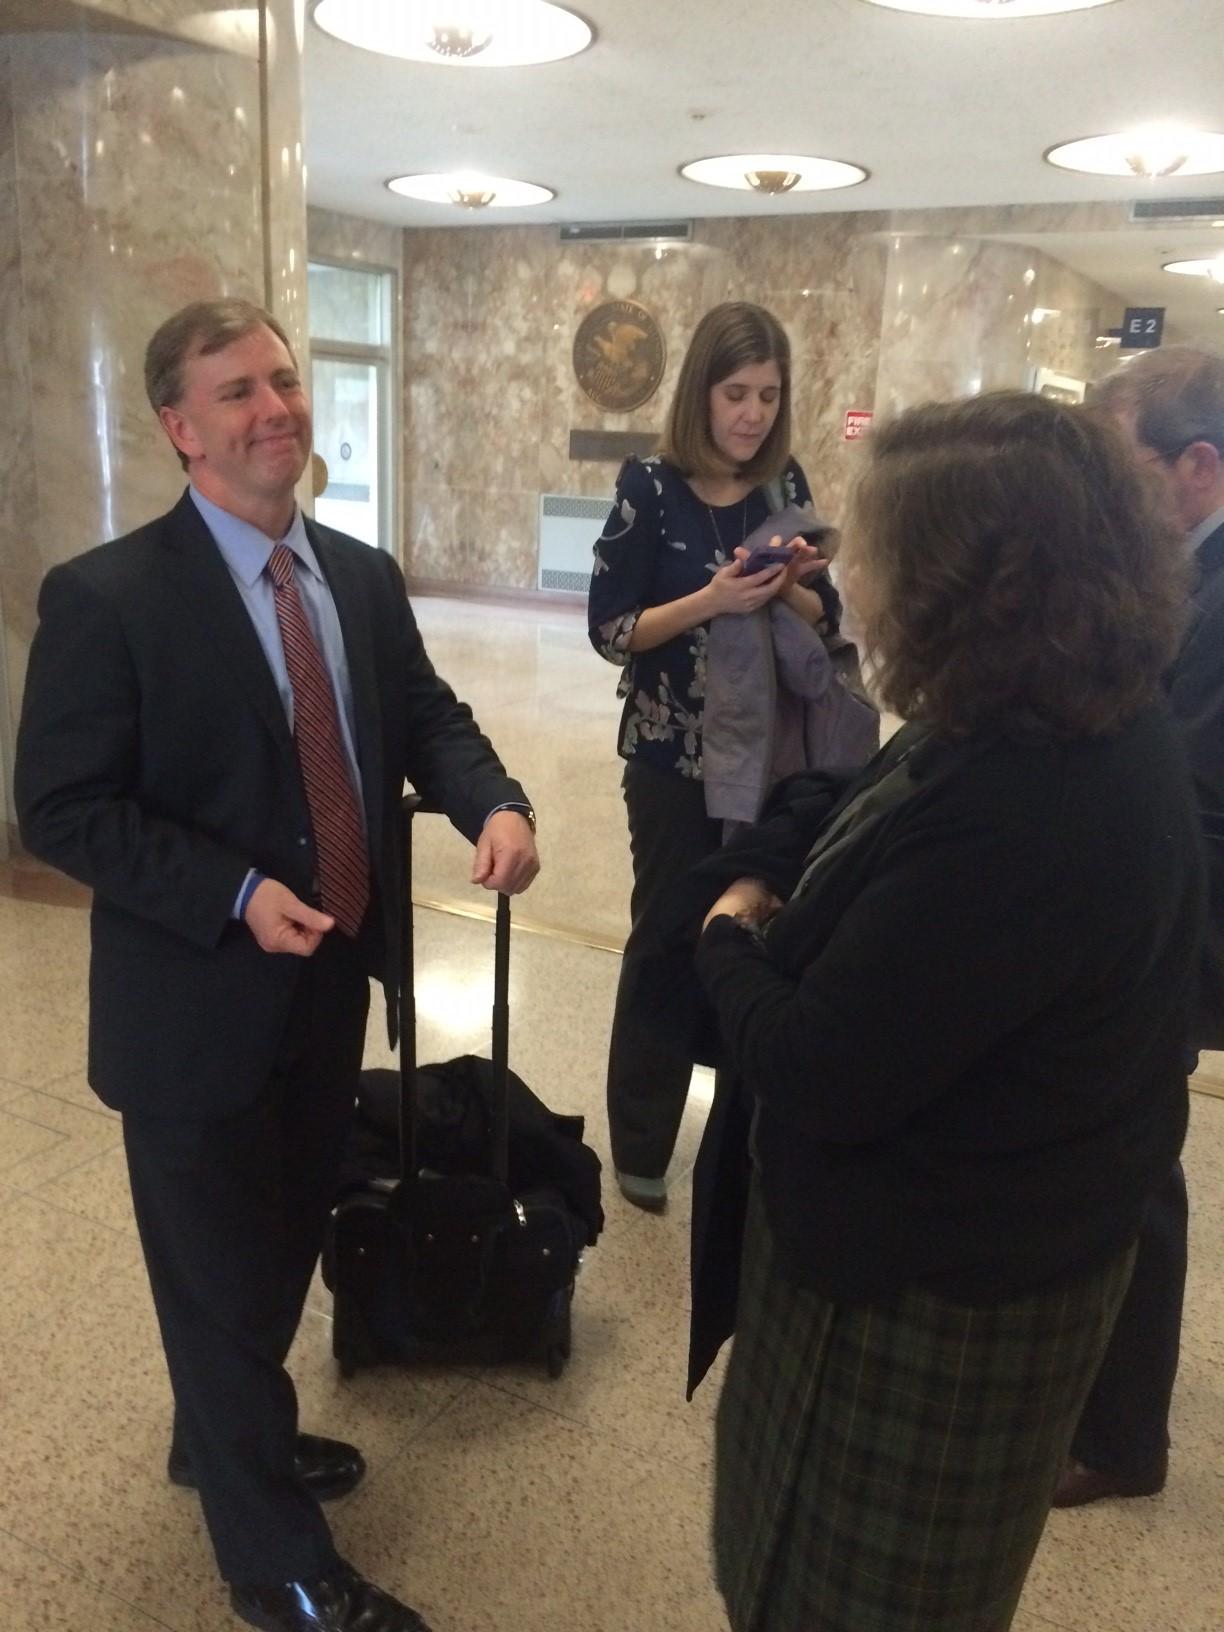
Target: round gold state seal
619,355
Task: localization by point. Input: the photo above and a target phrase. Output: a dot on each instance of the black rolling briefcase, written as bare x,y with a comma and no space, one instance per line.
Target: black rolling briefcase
439,1256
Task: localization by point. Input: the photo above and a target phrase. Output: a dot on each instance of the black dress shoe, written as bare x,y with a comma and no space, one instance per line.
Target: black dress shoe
340,1601
1079,1484
327,1467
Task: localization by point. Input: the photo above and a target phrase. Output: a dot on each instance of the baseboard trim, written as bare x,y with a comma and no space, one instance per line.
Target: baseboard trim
453,908
495,595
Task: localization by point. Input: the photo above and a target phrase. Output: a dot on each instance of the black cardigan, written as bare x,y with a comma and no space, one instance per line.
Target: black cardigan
966,1041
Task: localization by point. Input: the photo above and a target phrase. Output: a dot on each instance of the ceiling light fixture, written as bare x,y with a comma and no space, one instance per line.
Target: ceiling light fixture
471,190
1151,151
772,181
1213,269
774,173
458,33
989,10
462,37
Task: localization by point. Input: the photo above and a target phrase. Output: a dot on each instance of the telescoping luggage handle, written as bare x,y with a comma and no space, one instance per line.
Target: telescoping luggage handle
413,805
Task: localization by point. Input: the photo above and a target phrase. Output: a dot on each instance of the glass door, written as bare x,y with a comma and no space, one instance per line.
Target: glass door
348,437
352,368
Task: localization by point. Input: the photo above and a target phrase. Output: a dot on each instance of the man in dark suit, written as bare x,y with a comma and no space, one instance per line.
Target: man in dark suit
1170,406
220,712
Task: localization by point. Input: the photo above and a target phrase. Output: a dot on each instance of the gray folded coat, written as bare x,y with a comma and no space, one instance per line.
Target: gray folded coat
776,702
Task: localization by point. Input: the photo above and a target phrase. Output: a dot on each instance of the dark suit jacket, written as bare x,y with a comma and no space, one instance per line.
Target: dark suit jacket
155,764
1196,696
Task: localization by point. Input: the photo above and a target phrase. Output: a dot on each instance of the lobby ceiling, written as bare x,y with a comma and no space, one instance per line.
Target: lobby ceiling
941,112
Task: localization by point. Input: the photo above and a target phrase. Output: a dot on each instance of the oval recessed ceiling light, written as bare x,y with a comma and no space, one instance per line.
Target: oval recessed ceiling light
1213,269
459,33
774,173
1150,151
989,9
471,190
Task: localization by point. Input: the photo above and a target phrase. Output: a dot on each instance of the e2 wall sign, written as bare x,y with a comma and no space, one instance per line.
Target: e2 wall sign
1142,327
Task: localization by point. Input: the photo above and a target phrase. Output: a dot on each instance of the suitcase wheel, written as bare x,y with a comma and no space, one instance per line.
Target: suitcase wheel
556,1357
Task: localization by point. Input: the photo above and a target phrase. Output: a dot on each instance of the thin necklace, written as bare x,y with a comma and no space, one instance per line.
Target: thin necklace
743,525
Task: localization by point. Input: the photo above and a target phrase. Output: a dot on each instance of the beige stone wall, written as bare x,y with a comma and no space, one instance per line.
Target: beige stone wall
490,315
965,314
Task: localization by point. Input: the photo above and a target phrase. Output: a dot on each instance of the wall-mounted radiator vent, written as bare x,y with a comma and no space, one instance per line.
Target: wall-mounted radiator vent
1177,209
569,527
626,232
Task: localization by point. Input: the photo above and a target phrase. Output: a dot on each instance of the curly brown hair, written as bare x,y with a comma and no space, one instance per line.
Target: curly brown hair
1012,568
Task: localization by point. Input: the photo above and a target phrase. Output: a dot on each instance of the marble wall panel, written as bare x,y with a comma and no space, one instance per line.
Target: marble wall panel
430,531
230,27
472,396
334,237
955,319
131,116
1073,312
667,281
284,203
490,392
964,315
988,220
96,117
131,181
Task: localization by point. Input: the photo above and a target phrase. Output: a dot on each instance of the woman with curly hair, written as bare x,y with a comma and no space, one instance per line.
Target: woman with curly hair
961,1039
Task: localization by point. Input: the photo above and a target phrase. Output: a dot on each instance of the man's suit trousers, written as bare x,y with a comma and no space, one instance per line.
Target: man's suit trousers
231,1214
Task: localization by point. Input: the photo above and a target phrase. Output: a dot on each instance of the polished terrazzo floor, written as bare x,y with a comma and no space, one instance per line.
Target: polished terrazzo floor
495,1500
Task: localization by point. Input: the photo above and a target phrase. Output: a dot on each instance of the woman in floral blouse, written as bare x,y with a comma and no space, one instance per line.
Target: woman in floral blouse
666,564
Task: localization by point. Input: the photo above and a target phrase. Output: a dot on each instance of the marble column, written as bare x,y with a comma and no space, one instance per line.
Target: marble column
964,315
150,154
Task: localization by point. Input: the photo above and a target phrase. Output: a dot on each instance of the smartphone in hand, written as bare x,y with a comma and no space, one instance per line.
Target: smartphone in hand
767,556
793,522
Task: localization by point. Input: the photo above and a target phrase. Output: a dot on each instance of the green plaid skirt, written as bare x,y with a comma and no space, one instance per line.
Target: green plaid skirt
888,1467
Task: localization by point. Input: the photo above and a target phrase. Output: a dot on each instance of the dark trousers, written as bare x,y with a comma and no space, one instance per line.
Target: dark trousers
1124,1428
231,1216
648,1080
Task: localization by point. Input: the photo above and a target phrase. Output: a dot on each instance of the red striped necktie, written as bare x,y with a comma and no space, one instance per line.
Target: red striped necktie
340,844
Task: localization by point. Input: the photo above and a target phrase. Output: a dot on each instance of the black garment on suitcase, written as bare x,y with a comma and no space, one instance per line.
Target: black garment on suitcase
467,1265
455,1113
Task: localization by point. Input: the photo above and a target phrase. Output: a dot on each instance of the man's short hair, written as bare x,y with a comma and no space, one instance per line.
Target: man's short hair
198,330
1175,393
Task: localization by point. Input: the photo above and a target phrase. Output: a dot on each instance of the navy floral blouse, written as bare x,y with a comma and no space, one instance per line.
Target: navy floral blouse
662,542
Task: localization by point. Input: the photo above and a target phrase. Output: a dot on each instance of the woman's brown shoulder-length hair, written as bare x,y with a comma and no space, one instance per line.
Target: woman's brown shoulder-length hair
1013,568
728,338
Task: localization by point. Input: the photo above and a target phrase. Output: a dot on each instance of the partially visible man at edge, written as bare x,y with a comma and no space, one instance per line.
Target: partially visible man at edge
220,712
1170,406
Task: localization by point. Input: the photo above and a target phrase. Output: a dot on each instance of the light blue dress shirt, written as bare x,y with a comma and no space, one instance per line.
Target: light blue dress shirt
246,552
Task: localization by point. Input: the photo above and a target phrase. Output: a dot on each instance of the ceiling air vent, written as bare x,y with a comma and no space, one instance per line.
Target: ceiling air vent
627,232
1177,209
